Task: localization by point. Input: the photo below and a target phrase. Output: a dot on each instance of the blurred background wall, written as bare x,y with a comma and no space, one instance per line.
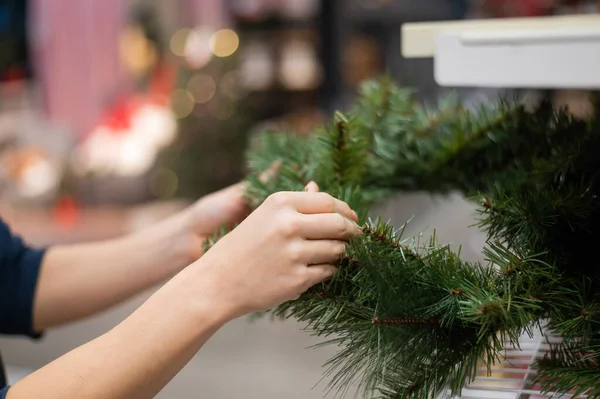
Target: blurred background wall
116,113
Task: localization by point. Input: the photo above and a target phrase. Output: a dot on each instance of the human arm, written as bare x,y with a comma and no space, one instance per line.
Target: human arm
288,244
82,279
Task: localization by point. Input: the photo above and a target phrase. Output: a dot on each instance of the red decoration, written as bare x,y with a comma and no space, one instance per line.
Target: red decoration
66,212
118,117
161,84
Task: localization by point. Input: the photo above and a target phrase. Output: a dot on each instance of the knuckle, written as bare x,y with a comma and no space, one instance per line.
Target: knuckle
289,224
295,254
342,226
278,200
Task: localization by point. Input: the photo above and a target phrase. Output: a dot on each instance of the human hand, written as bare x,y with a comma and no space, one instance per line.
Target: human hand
226,207
288,244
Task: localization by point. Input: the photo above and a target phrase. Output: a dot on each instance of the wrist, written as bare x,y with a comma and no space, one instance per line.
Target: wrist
207,290
185,301
184,240
165,245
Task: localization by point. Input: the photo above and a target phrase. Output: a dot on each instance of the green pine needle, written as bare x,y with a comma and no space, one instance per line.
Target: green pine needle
412,320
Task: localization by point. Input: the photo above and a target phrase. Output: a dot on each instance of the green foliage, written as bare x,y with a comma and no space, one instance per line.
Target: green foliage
573,368
412,319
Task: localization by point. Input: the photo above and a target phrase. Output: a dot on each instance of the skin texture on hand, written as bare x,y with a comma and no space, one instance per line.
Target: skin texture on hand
290,243
226,207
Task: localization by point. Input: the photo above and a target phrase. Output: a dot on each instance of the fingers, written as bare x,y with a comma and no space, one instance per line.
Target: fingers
312,187
238,189
311,203
268,174
328,226
319,273
324,251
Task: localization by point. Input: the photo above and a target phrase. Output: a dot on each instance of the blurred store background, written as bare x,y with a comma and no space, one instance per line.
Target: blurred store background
115,113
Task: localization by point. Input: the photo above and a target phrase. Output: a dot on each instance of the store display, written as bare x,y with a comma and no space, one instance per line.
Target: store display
413,319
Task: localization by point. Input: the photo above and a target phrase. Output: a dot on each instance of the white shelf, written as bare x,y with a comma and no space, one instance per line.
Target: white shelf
547,52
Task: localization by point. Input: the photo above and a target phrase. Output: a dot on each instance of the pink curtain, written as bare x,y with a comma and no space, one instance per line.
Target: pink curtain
75,52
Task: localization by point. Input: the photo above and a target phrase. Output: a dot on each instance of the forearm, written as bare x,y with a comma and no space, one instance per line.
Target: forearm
139,356
82,279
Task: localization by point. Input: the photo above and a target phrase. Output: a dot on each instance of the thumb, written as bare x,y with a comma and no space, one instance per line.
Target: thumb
312,187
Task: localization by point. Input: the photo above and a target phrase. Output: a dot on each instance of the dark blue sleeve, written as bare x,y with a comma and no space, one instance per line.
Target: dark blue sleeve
19,270
3,393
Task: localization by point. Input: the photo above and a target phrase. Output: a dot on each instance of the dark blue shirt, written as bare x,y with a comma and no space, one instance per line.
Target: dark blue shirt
19,270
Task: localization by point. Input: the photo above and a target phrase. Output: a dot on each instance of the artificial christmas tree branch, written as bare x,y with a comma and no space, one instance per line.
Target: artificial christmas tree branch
413,319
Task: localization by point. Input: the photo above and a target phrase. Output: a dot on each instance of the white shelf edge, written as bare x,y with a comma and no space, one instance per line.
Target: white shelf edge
419,39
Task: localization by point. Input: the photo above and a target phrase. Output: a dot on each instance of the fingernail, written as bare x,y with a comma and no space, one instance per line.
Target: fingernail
311,186
355,215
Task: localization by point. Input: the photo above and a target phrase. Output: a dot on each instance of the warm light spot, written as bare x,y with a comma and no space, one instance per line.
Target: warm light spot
299,69
178,42
224,42
299,9
197,47
182,103
202,87
138,54
38,178
257,69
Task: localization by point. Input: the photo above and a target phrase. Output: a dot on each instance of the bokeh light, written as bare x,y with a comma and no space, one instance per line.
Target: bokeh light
137,53
224,43
299,69
202,87
179,41
197,50
257,68
182,103
299,9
